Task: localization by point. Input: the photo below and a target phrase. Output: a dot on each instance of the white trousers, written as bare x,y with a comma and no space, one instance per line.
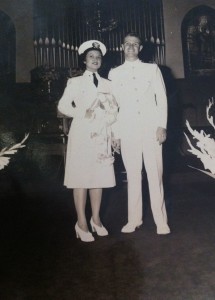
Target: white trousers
136,149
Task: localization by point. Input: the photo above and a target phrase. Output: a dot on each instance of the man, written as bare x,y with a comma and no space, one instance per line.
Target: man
141,127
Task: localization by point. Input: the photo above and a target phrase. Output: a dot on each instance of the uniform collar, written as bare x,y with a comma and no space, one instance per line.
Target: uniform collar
132,64
90,74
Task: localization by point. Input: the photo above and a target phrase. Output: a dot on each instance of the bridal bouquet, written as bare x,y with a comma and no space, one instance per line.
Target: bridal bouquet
4,159
205,145
102,114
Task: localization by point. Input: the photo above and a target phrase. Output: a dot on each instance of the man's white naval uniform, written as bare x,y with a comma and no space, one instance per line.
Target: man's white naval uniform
140,92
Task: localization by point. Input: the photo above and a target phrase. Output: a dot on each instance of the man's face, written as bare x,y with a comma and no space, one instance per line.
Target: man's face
131,47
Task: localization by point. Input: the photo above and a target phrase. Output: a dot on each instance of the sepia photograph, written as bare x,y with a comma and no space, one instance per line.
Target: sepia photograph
107,149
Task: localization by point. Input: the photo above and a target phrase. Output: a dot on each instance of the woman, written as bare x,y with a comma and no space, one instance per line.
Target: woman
89,162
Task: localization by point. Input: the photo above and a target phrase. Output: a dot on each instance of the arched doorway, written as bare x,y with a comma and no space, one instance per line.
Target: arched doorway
7,52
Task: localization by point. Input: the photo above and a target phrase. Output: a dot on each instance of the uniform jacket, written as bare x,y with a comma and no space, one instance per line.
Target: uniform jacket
80,93
141,95
89,160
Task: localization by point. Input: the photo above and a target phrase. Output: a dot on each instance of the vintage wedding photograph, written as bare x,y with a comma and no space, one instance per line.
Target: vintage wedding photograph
107,149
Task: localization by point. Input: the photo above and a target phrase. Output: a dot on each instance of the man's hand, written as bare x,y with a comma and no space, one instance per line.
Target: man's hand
161,135
116,145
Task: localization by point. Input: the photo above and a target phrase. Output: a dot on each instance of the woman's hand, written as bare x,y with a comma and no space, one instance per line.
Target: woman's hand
161,135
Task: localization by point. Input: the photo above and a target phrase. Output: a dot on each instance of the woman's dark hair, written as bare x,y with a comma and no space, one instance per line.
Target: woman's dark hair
83,56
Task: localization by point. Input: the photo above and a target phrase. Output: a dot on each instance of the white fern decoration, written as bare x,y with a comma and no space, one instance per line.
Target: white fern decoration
4,160
205,146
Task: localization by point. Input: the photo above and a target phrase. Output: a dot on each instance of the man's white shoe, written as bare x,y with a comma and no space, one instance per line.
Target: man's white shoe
163,230
129,227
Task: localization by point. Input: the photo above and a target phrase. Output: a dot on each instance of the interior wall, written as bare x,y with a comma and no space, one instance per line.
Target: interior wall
174,11
21,14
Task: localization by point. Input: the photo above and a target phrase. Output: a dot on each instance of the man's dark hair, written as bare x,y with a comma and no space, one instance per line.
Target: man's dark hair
133,34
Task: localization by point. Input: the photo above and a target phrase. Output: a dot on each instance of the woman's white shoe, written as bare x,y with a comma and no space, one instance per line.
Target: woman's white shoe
100,230
83,235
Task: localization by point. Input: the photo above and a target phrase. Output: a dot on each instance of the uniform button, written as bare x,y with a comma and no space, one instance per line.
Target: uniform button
137,100
138,112
134,77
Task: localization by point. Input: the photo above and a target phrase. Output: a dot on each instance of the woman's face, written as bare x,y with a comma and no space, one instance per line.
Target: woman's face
93,60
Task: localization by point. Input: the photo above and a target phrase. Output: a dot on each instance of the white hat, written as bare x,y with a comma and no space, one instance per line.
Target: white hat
92,44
